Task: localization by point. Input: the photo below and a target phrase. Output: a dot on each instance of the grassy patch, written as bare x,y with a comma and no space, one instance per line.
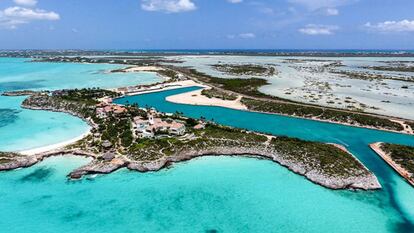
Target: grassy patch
327,158
215,93
321,113
249,69
402,155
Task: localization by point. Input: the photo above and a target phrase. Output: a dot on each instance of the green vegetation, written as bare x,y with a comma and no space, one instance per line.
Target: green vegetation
243,86
115,128
113,133
86,95
250,87
169,73
215,93
329,158
401,155
370,76
399,68
320,113
325,158
249,69
212,136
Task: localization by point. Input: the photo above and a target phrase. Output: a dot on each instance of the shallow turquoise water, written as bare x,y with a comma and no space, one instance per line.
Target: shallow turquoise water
397,197
22,129
223,194
21,74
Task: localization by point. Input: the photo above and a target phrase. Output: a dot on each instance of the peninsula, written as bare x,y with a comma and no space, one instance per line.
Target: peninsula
147,140
399,157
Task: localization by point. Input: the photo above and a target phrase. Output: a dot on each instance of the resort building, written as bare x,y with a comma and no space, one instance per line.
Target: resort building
147,128
104,109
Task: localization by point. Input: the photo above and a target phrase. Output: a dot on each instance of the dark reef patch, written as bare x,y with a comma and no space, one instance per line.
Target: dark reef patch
403,227
212,231
73,216
8,116
21,85
38,175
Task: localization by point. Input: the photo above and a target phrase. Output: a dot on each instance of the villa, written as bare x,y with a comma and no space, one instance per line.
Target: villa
147,128
104,109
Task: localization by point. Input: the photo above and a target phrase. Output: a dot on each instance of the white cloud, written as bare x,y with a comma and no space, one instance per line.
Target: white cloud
235,1
247,35
314,29
326,7
13,16
319,4
331,11
168,6
392,26
29,14
25,2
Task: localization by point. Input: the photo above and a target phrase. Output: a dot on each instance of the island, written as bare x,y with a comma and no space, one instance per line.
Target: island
246,69
144,139
399,157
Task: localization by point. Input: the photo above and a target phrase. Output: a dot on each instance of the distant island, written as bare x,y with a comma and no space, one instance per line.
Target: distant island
247,89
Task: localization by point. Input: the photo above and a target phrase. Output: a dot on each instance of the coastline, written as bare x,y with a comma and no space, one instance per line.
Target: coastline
196,98
56,146
365,182
376,147
361,179
179,99
165,86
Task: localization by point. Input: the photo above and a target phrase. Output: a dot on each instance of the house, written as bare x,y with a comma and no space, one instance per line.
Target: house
177,128
100,113
118,109
104,109
199,126
140,127
106,144
148,128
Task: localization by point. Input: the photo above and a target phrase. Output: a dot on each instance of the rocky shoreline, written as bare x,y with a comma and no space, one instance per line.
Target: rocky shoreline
367,181
19,93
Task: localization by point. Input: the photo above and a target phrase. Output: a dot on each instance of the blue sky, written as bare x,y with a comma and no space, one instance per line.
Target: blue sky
207,24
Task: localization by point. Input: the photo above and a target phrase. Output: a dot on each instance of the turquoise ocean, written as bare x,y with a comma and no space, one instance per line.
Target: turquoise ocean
210,194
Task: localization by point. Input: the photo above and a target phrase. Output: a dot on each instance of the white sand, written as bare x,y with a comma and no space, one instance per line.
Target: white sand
196,98
54,146
142,68
166,86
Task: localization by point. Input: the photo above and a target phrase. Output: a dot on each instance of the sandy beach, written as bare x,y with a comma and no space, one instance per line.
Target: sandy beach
54,146
141,68
196,98
165,87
